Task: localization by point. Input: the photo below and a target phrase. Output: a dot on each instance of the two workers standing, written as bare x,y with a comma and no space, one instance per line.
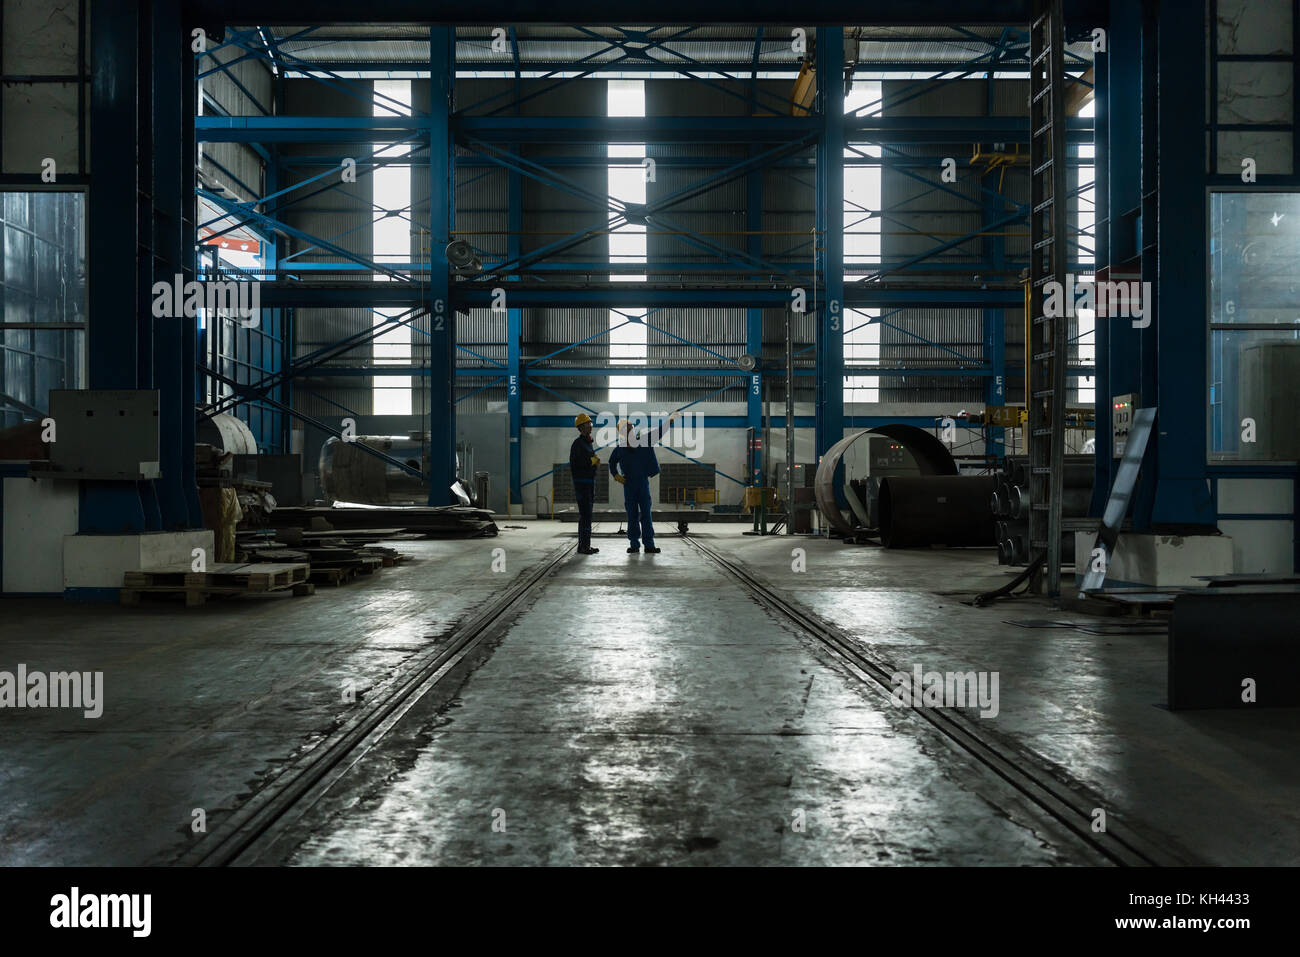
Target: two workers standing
632,464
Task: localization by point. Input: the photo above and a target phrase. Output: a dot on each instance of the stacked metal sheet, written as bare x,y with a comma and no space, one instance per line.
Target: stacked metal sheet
450,521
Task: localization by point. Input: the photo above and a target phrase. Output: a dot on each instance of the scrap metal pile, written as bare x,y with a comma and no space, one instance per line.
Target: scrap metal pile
449,521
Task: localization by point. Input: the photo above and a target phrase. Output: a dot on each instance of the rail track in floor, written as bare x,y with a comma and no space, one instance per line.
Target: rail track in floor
262,830
255,831
1052,790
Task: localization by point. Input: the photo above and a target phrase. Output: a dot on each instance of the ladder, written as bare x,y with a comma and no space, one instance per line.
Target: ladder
1048,335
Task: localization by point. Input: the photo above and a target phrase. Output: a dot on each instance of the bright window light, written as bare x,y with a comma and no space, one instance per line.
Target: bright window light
862,247
391,233
627,245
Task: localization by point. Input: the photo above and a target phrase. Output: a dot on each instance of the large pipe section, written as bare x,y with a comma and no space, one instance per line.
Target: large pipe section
931,456
951,510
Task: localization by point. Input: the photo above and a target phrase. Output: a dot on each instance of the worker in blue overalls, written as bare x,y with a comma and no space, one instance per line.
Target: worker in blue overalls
583,462
633,464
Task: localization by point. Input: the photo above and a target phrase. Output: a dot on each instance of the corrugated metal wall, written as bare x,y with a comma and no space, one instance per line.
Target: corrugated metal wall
343,215
43,279
235,165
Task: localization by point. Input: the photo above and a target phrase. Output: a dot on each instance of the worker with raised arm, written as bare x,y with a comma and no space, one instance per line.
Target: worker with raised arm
583,462
633,464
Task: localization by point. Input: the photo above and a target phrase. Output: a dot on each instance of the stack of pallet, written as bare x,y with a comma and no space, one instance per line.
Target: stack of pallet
222,578
334,560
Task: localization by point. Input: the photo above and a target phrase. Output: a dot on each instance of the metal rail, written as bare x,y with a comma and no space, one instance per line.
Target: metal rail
1052,789
257,827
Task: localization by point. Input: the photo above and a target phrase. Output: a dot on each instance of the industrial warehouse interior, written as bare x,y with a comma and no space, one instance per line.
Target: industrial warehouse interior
687,437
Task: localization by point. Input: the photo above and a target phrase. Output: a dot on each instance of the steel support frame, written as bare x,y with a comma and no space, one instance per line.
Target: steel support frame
1175,488
441,407
830,279
115,340
829,334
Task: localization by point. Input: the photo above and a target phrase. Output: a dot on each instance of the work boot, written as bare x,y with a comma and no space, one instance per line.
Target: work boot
651,550
588,551
634,548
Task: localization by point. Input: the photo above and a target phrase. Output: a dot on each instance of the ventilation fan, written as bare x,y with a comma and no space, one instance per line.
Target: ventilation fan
461,256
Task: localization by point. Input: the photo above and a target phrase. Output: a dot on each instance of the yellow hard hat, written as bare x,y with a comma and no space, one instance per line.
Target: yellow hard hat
582,419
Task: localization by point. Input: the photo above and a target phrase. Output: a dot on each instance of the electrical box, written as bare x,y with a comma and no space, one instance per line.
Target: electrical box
1121,421
104,434
888,457
803,475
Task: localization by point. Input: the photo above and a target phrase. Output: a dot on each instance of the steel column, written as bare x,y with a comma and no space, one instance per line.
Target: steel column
113,330
830,231
442,319
754,316
1178,319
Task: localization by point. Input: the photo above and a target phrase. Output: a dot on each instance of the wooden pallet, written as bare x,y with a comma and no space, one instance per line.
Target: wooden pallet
333,576
221,578
337,572
390,556
198,594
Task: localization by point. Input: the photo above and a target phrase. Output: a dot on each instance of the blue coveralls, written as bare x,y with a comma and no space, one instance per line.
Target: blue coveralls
639,465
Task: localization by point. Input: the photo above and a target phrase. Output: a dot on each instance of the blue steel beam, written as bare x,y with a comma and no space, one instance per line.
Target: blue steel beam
754,317
829,317
797,266
736,258
976,370
113,357
313,360
536,69
514,346
177,492
368,166
1178,451
1079,13
270,222
342,84
624,295
442,193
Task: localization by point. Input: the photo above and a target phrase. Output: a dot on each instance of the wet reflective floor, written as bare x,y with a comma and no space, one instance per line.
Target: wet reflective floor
638,710
645,711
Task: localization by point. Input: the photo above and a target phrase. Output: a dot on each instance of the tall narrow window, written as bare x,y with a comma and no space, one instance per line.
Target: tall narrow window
861,248
627,245
391,233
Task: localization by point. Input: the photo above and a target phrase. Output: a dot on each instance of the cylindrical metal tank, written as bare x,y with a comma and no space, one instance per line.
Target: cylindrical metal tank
937,510
348,473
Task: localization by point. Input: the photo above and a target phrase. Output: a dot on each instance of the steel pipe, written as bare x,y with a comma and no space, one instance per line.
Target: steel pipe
951,510
931,456
1074,502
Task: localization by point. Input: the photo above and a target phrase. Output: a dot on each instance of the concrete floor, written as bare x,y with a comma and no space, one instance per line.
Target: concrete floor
640,710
